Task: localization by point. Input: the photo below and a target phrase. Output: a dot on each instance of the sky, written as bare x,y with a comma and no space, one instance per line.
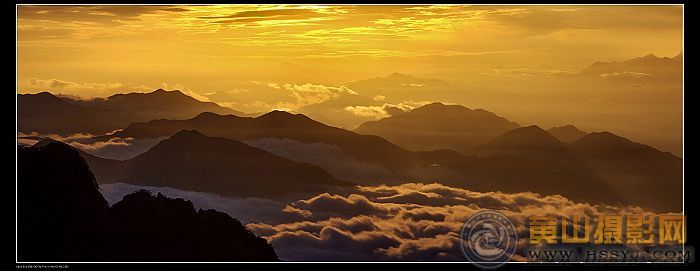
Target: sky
255,58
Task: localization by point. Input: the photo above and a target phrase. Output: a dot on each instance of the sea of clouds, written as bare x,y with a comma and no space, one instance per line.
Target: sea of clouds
407,222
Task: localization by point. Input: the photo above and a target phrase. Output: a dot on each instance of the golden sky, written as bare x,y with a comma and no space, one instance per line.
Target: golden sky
258,57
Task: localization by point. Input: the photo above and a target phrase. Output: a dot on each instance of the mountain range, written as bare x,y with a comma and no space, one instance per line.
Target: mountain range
471,148
46,113
275,124
189,160
439,126
641,67
523,159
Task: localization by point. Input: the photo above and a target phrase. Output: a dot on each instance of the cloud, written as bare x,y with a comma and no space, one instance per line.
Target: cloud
112,148
407,222
378,112
263,17
413,221
274,85
309,94
263,14
116,147
246,210
625,75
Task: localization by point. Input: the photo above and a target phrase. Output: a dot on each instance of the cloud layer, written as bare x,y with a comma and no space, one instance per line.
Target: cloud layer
112,148
408,222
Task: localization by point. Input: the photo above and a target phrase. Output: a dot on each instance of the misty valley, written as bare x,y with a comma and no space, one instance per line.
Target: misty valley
310,190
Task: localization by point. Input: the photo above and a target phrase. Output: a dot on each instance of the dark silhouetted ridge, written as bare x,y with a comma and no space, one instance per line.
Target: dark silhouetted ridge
190,160
158,228
277,115
63,217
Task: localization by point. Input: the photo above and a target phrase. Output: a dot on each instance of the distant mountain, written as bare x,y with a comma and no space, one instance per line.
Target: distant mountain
55,184
642,174
192,161
604,162
276,124
439,126
567,133
159,104
516,173
521,159
530,141
45,113
639,68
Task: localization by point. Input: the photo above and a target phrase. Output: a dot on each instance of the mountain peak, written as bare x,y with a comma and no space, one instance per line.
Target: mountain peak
172,92
439,126
397,75
531,131
207,116
604,137
435,104
45,142
282,115
222,165
528,135
440,106
567,133
529,141
42,96
276,114
188,134
158,92
532,128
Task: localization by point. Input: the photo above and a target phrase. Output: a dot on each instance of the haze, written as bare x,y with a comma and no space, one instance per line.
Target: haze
517,61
